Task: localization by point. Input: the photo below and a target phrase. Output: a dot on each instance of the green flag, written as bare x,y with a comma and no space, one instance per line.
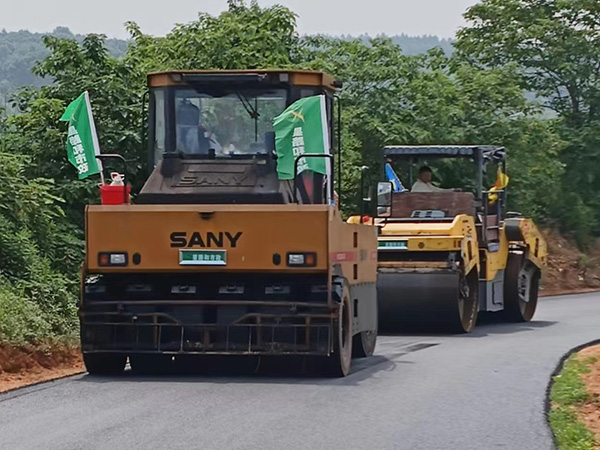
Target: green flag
302,128
82,141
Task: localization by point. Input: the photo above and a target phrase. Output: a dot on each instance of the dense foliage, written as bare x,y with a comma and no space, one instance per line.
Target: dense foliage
39,258
21,50
554,45
390,97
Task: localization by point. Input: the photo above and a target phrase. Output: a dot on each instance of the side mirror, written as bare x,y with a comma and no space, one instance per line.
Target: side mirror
384,198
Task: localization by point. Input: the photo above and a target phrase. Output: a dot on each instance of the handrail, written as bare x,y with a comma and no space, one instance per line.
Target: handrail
312,155
486,201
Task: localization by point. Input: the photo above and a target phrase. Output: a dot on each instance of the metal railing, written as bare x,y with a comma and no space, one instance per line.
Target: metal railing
208,339
499,205
329,158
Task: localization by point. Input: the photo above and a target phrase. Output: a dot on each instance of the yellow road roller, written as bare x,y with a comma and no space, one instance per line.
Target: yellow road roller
445,255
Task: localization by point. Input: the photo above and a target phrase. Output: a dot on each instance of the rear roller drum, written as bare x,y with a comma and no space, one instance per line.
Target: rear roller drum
104,364
146,364
521,287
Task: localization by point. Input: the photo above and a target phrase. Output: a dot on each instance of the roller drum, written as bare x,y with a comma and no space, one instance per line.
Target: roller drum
432,301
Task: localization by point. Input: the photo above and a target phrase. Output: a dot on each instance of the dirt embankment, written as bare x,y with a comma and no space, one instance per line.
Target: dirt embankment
27,365
569,270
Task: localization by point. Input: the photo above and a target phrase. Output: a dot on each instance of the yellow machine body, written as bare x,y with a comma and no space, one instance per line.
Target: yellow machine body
457,236
417,287
251,235
252,245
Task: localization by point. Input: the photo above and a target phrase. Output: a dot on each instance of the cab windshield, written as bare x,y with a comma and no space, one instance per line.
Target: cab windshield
226,122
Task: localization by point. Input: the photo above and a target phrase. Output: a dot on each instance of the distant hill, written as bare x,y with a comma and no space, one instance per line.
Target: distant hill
415,45
20,50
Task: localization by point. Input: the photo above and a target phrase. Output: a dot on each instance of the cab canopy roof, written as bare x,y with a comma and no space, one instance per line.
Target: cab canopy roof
268,76
487,153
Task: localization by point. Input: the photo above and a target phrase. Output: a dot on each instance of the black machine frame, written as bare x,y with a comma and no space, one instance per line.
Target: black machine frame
481,155
294,93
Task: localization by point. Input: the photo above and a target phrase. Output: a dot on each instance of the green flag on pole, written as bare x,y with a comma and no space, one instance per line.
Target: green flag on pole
82,140
302,128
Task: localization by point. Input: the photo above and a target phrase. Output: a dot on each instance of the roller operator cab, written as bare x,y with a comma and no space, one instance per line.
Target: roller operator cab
445,256
218,256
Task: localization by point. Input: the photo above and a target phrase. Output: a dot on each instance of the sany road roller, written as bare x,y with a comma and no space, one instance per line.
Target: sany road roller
218,258
445,256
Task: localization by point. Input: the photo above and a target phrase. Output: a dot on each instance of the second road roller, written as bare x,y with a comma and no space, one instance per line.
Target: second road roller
445,255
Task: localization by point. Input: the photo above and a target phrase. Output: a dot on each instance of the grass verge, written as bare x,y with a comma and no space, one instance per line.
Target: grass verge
568,393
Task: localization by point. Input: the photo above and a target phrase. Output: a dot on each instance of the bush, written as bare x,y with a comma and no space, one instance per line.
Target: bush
39,256
21,320
575,218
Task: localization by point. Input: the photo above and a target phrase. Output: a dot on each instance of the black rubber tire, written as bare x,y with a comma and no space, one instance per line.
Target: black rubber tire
515,308
363,344
339,362
104,364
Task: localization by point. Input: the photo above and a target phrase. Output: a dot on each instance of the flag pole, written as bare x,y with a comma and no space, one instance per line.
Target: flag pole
94,135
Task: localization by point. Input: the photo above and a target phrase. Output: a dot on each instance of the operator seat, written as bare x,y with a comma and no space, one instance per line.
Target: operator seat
191,136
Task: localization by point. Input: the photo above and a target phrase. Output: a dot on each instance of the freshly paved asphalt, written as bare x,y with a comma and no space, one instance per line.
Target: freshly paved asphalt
482,391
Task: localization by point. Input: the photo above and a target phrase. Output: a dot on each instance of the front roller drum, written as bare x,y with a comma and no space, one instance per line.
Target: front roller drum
427,301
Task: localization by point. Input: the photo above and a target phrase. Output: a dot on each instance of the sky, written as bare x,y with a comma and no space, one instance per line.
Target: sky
157,17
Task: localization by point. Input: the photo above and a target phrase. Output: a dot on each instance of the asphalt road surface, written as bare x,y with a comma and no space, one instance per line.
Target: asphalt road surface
482,391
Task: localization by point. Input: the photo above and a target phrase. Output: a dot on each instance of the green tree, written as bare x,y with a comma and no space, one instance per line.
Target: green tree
554,45
116,89
40,255
391,98
243,37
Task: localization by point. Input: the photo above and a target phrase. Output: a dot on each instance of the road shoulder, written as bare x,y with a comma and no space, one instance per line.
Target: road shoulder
26,366
574,400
